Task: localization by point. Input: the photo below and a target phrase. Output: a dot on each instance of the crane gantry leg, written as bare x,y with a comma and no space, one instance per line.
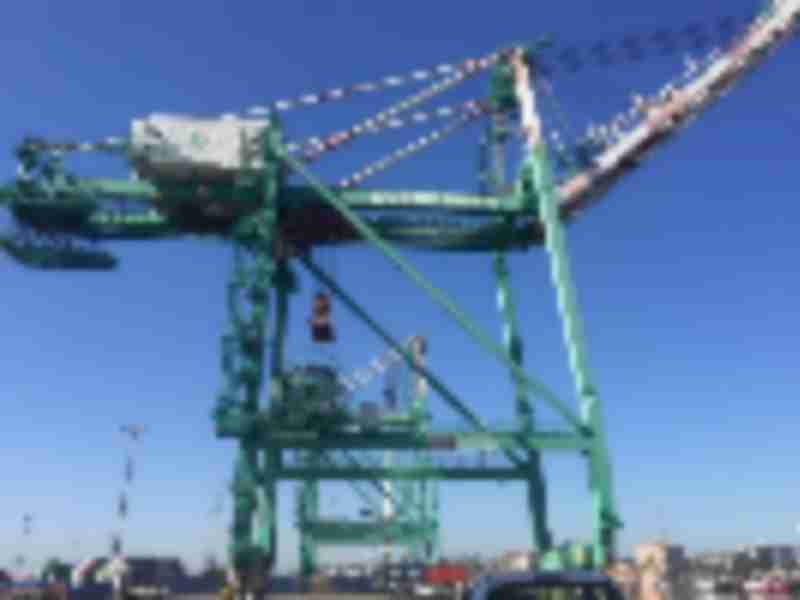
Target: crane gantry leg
536,487
257,268
492,174
309,512
252,490
605,516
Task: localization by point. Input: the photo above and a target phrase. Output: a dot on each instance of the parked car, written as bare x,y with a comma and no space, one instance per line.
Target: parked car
554,585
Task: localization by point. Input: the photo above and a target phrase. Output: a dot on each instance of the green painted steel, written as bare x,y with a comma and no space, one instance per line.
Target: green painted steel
409,474
412,525
606,520
292,197
305,432
569,556
435,382
337,440
536,486
308,509
436,295
254,531
374,534
48,257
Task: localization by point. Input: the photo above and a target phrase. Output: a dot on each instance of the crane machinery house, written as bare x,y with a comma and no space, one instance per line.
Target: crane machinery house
183,147
197,164
314,396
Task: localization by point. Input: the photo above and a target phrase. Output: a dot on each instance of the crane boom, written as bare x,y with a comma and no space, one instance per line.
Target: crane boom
680,105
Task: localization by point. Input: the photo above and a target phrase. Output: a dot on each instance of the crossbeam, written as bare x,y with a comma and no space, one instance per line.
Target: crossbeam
405,473
346,533
449,441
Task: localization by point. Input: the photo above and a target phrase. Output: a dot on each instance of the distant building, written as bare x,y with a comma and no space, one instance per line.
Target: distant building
148,569
626,576
515,561
769,557
730,562
661,558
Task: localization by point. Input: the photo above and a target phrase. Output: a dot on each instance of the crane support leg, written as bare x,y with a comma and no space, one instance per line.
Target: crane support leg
429,502
245,503
309,512
245,363
605,517
253,550
493,179
537,490
536,172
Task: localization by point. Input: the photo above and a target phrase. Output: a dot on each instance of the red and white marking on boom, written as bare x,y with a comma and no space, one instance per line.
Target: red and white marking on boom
531,123
455,74
679,105
468,116
313,148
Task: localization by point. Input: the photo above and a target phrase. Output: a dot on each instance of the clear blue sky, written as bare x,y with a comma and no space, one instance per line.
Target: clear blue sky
687,277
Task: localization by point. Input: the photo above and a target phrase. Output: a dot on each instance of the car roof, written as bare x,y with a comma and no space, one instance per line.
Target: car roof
568,577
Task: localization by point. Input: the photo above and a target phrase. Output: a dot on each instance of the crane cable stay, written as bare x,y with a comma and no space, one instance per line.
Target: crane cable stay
322,330
389,118
637,46
315,147
412,148
607,153
695,36
586,180
386,119
454,72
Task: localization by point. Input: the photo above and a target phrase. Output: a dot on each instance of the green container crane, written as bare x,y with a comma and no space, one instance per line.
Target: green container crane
188,188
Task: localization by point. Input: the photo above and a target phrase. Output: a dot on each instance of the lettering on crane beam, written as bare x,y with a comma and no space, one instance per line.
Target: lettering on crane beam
431,199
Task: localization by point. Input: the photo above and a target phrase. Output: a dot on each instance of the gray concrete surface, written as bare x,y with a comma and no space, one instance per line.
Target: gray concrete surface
285,596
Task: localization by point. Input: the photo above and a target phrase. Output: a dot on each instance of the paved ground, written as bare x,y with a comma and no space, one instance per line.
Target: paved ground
285,596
